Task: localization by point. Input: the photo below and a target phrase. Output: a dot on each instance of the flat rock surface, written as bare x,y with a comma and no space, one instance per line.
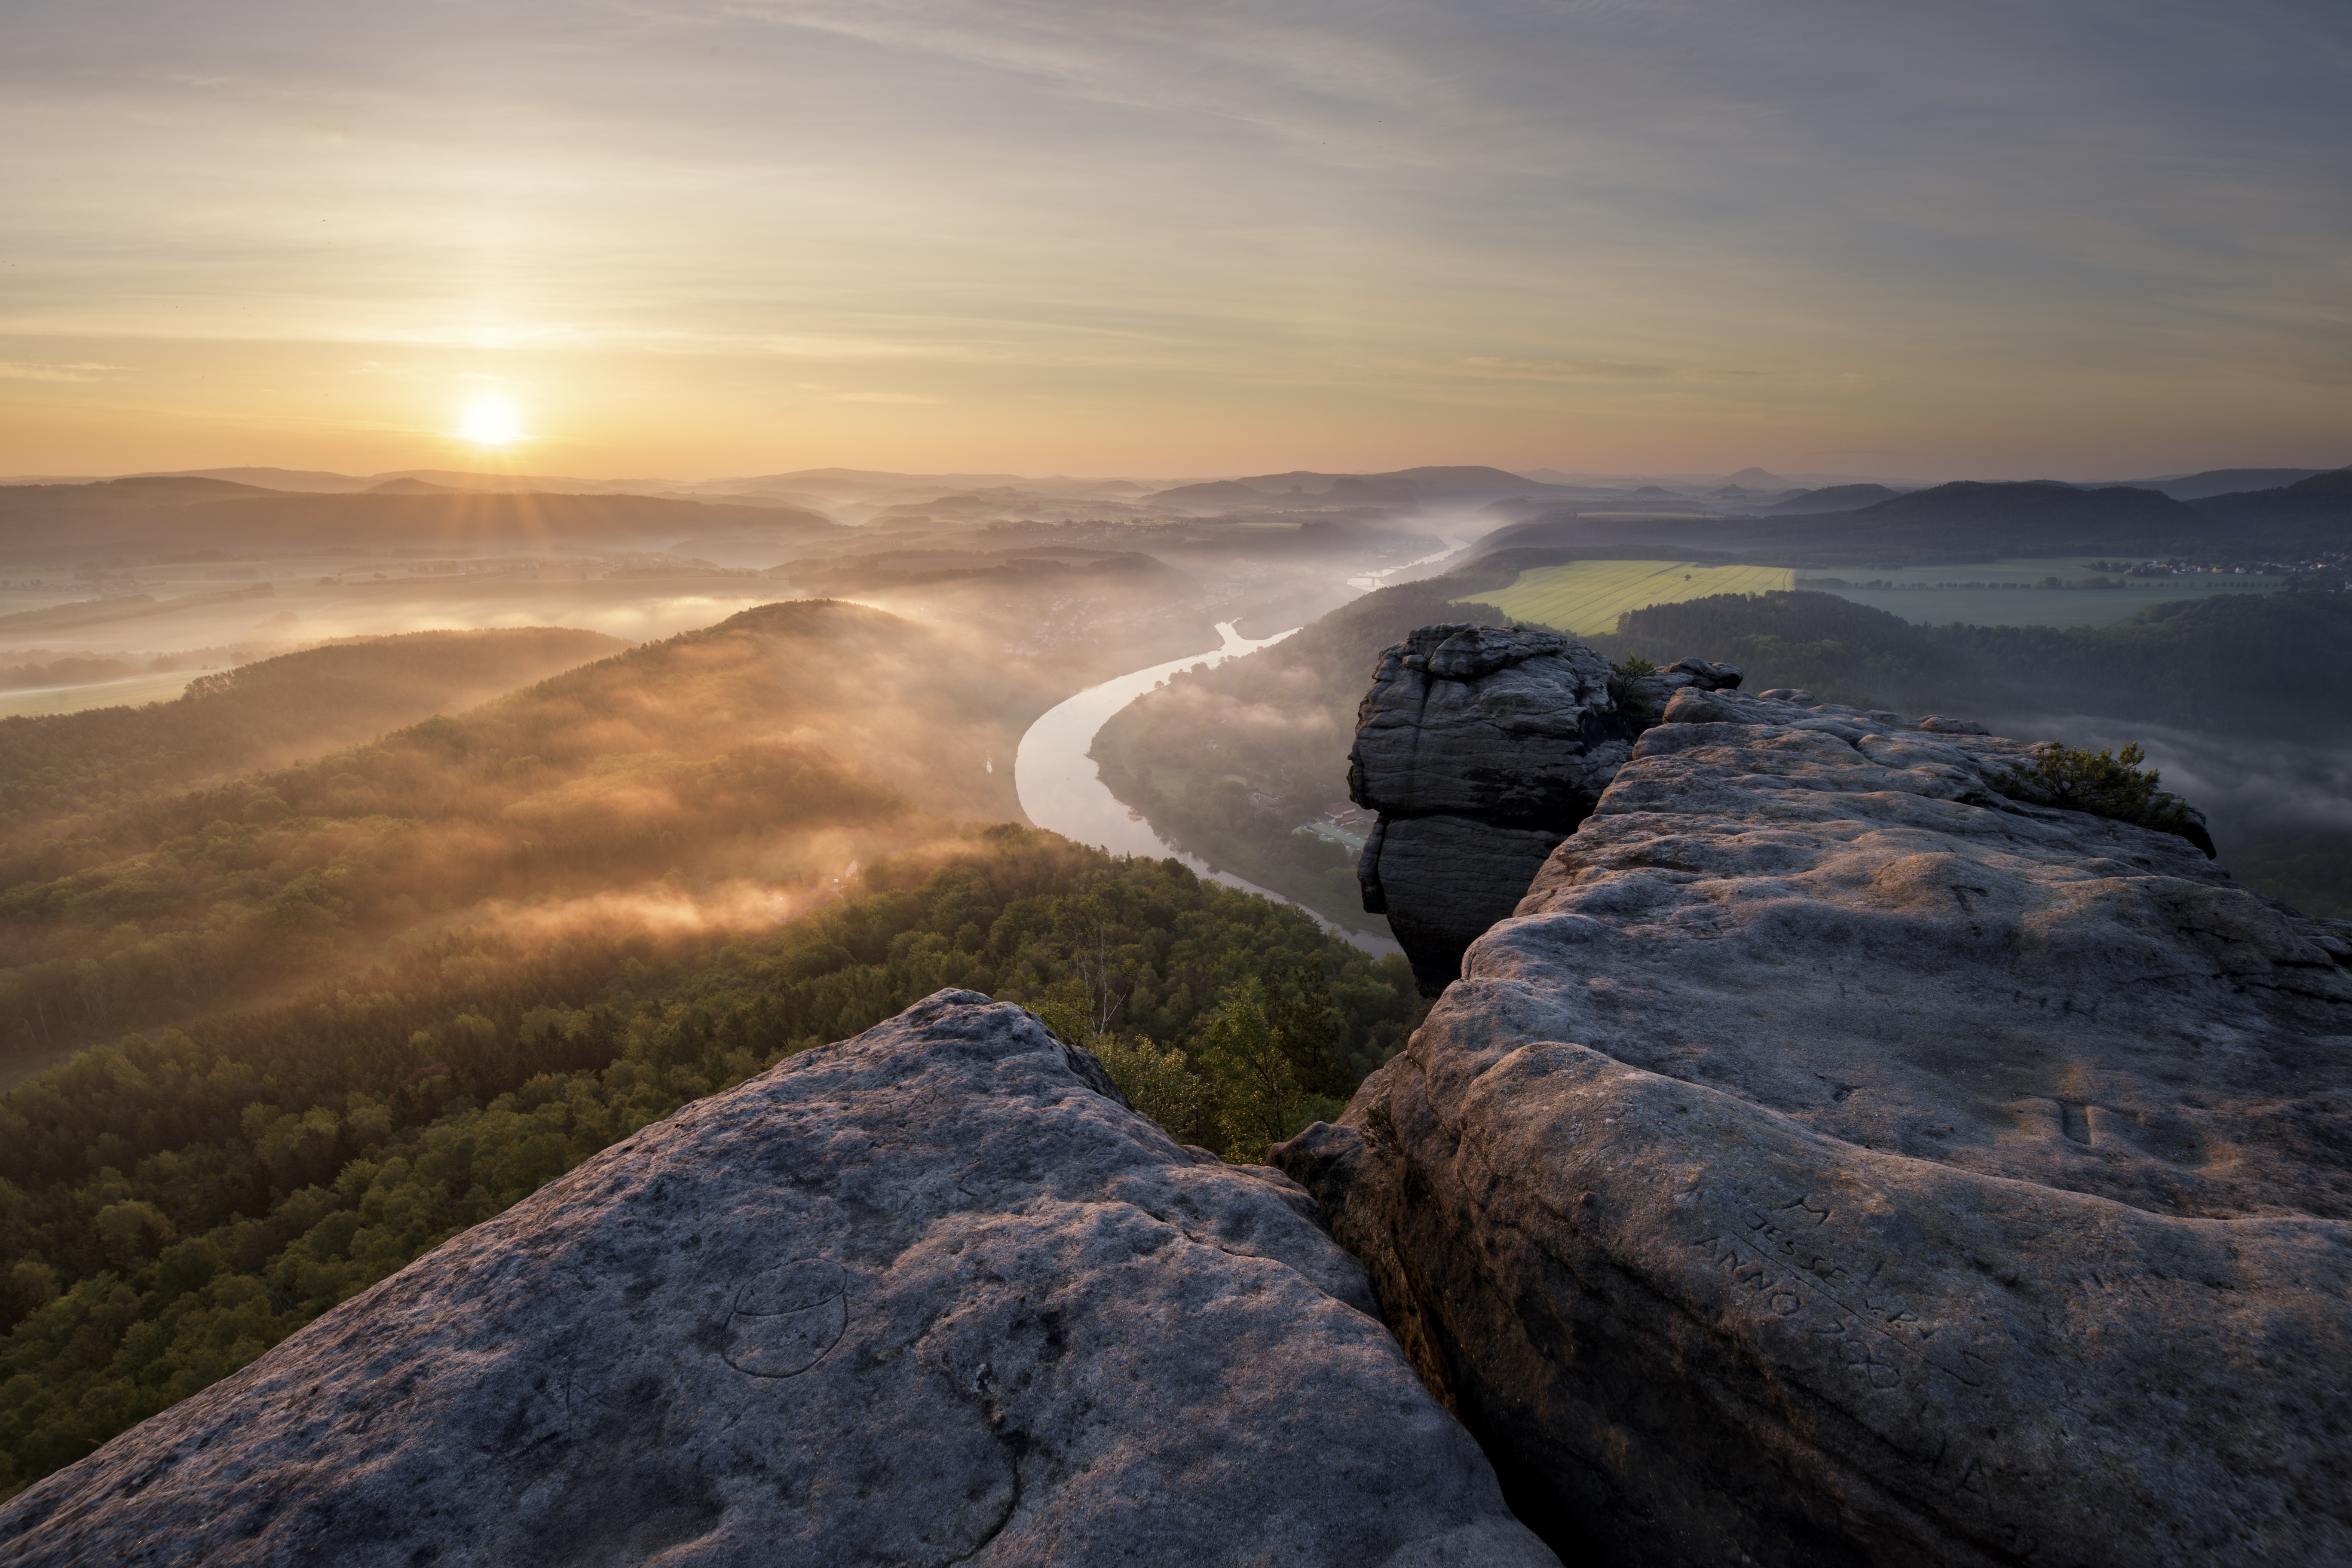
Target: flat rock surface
1836,1161
932,1295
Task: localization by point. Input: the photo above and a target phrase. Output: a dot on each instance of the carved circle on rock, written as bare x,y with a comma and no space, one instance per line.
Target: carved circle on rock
787,1318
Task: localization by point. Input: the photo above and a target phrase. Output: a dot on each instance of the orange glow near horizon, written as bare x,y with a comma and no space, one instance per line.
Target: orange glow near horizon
698,241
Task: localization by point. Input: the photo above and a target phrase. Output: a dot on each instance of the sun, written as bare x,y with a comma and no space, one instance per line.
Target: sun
491,422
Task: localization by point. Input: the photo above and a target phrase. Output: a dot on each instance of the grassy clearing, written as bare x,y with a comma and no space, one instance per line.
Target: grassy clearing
1584,598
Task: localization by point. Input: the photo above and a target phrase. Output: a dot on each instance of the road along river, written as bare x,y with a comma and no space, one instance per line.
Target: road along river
1061,790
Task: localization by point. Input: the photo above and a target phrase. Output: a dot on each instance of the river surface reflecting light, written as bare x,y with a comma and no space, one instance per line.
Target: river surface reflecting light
1062,791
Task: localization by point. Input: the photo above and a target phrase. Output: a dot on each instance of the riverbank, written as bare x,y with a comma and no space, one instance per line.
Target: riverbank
1061,787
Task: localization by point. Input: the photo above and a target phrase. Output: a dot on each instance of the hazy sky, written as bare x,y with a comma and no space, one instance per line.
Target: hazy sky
2077,238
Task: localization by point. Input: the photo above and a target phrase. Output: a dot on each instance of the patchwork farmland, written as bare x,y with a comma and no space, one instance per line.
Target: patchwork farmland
1584,598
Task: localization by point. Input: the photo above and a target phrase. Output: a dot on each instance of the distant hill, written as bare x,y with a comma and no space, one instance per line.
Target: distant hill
2224,482
1212,492
2033,503
277,478
806,477
320,481
116,495
191,513
1404,487
1835,498
267,713
1463,482
1965,520
2321,497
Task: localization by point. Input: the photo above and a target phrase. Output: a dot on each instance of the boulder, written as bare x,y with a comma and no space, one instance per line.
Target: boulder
932,1295
1833,1161
1470,729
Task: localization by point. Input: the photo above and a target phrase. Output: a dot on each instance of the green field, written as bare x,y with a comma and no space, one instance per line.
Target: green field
1938,596
1584,598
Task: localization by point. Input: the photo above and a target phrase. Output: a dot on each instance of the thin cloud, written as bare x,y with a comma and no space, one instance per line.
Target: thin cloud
1567,370
1634,370
1175,212
18,369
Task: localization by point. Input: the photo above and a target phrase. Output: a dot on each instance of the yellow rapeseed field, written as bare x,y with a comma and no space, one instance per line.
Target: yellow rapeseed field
1584,598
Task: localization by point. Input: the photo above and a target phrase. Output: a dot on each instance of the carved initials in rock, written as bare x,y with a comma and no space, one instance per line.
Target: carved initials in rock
1876,1338
786,1319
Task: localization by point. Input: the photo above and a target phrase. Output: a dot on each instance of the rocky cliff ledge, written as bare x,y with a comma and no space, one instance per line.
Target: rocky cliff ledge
1480,748
1836,1161
932,1295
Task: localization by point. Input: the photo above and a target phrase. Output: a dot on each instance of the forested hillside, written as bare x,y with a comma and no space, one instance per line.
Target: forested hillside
173,1204
1833,648
266,714
2242,663
1231,761
750,755
1951,523
2235,664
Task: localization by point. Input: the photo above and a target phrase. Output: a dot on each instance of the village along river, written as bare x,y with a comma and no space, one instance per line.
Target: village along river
1061,790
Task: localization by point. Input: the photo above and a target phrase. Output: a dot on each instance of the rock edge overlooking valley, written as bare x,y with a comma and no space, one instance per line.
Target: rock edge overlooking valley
932,1295
1835,1161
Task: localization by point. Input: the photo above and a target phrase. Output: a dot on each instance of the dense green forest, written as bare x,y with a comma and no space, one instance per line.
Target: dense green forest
1228,761
260,714
1833,648
172,1205
745,753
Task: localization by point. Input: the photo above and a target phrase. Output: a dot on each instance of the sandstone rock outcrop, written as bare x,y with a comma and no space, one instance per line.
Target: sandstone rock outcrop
932,1295
1482,747
1836,1162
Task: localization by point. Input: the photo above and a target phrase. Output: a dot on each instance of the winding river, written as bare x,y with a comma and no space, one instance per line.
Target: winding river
1061,790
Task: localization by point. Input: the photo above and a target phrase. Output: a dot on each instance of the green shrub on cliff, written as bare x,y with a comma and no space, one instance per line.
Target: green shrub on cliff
1257,1088
2104,784
1265,1058
1158,1081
